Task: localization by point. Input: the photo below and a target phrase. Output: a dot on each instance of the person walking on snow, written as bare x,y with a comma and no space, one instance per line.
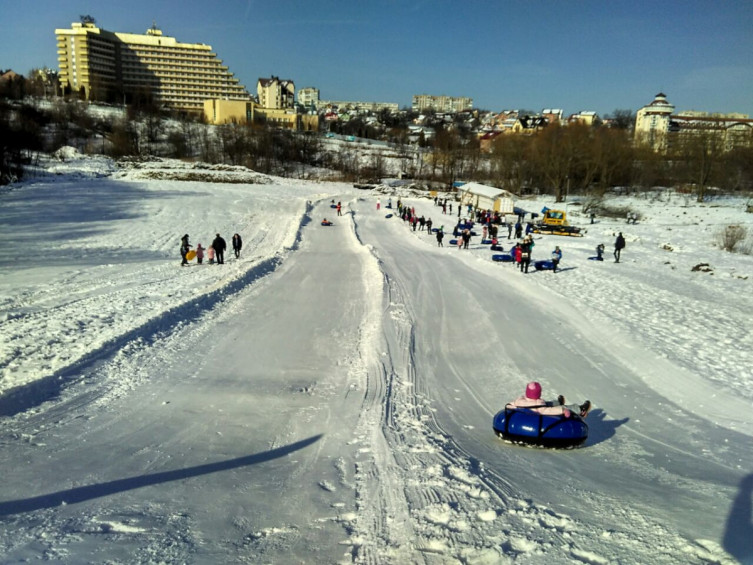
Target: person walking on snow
619,245
339,209
379,204
531,398
466,238
237,245
219,246
440,237
184,248
556,258
199,253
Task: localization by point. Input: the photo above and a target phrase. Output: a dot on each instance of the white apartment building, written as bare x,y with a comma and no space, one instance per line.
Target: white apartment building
358,107
652,122
657,125
308,98
423,102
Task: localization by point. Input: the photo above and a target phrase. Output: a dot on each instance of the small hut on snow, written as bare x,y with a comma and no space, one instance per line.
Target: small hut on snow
485,197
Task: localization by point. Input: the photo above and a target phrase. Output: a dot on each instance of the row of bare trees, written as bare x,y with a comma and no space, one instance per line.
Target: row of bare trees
578,158
558,159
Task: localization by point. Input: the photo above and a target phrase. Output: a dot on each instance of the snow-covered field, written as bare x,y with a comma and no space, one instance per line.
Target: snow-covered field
327,397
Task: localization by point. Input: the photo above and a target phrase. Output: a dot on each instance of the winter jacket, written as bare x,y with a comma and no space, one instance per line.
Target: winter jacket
219,244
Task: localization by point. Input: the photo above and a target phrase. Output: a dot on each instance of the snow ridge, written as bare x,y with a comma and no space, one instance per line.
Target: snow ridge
31,395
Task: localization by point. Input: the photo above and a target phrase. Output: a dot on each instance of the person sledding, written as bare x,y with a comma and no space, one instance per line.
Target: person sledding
326,222
532,400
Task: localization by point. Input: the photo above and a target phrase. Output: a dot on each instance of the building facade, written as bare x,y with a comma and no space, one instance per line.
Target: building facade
422,102
652,123
657,126
116,67
221,111
276,94
308,98
357,107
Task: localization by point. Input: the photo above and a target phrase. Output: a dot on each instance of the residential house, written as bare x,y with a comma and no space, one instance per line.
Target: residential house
529,124
276,94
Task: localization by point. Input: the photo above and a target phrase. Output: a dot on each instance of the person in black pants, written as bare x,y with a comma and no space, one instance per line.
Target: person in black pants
219,246
184,248
237,244
619,245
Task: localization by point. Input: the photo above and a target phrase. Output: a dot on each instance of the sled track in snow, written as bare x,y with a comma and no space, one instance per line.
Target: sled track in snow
422,497
28,397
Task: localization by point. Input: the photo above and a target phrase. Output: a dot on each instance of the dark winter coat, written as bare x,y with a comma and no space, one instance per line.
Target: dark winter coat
219,244
620,243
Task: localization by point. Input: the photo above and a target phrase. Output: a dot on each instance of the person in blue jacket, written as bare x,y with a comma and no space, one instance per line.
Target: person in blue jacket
556,258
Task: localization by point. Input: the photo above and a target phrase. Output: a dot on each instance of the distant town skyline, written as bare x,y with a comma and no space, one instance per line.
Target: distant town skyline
577,56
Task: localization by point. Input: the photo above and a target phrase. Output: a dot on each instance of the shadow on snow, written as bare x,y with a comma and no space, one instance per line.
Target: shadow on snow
82,494
738,531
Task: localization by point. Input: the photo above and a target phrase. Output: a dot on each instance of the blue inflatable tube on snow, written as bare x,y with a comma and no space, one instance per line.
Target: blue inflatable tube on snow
506,258
523,425
544,265
388,216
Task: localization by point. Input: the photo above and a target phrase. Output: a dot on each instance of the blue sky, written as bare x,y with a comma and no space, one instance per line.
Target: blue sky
575,55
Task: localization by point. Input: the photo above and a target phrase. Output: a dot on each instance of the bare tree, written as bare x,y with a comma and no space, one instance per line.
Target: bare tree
701,152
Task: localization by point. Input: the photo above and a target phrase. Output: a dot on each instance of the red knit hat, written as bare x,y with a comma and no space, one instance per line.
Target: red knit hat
533,391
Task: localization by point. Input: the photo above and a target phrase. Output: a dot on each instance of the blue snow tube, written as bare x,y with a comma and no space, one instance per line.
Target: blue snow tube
486,242
497,247
523,425
388,216
502,258
544,265
453,242
326,223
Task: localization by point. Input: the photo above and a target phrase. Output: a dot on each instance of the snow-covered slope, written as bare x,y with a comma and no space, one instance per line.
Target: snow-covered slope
327,397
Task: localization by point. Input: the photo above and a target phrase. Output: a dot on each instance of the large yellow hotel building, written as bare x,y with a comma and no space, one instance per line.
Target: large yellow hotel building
108,66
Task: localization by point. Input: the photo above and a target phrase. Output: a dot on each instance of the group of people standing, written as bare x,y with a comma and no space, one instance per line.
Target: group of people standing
214,251
521,251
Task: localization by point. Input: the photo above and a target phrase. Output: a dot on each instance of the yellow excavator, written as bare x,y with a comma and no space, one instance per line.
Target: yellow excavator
554,222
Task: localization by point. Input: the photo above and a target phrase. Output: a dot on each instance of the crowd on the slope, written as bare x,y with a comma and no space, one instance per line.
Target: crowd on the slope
215,253
491,222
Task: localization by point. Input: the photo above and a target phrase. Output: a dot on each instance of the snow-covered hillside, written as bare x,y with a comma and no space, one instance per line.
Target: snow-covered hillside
328,396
